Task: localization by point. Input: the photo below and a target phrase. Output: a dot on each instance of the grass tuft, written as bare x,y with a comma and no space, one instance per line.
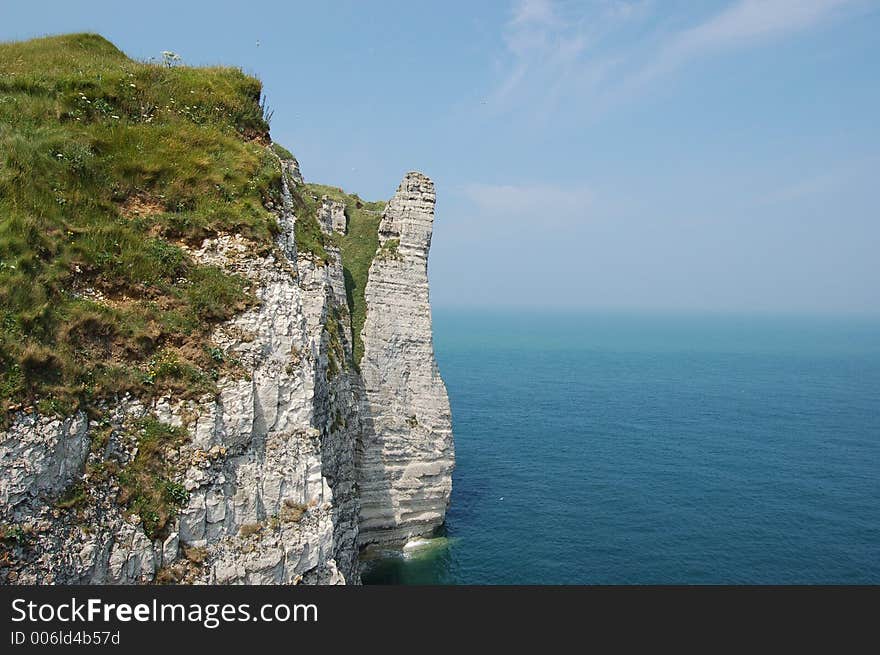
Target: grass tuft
281,151
145,485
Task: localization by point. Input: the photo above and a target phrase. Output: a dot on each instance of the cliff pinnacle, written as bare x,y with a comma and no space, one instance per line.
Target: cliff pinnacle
406,456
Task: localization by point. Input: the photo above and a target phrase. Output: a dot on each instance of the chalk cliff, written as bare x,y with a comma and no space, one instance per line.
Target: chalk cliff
300,459
405,458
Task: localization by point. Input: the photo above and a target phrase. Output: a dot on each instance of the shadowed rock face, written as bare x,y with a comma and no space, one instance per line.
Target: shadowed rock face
405,456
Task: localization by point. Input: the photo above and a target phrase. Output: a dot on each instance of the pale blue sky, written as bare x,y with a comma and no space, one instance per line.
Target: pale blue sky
645,154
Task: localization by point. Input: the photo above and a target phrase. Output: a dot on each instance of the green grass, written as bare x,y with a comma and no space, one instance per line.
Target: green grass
389,249
107,167
145,484
358,247
336,360
13,538
73,497
281,151
306,229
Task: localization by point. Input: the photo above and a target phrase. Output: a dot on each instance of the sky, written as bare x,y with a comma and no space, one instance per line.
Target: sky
660,155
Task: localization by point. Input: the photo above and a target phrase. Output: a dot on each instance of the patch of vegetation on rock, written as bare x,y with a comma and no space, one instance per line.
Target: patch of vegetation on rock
250,529
335,350
358,247
73,497
281,151
14,540
389,250
145,483
292,511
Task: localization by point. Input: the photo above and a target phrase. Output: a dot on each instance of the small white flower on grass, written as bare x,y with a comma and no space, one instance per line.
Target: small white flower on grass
170,58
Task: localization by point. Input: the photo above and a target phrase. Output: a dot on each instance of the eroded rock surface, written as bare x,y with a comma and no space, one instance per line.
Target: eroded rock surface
296,463
331,216
406,457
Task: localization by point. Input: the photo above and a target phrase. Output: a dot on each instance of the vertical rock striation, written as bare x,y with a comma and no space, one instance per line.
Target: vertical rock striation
405,456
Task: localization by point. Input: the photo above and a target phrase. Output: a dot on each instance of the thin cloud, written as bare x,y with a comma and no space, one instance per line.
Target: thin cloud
543,204
541,46
604,51
743,23
831,182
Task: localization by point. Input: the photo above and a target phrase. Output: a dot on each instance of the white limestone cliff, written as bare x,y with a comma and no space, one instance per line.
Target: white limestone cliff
406,458
331,216
293,466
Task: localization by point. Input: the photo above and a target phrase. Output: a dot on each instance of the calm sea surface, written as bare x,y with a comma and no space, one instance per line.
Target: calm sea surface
657,449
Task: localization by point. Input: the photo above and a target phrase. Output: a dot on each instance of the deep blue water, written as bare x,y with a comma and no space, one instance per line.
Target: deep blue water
657,449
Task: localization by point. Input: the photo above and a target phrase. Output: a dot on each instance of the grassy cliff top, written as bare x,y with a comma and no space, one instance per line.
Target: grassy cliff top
108,165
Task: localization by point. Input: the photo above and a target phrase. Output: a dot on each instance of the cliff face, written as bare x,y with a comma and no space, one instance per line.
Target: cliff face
298,460
405,458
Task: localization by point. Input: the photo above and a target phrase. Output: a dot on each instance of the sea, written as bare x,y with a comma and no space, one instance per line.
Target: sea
656,449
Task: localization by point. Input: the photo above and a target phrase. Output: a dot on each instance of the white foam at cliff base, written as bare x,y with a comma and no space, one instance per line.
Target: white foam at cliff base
419,546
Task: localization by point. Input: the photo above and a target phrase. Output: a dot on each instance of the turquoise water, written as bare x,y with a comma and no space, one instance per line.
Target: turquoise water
657,449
